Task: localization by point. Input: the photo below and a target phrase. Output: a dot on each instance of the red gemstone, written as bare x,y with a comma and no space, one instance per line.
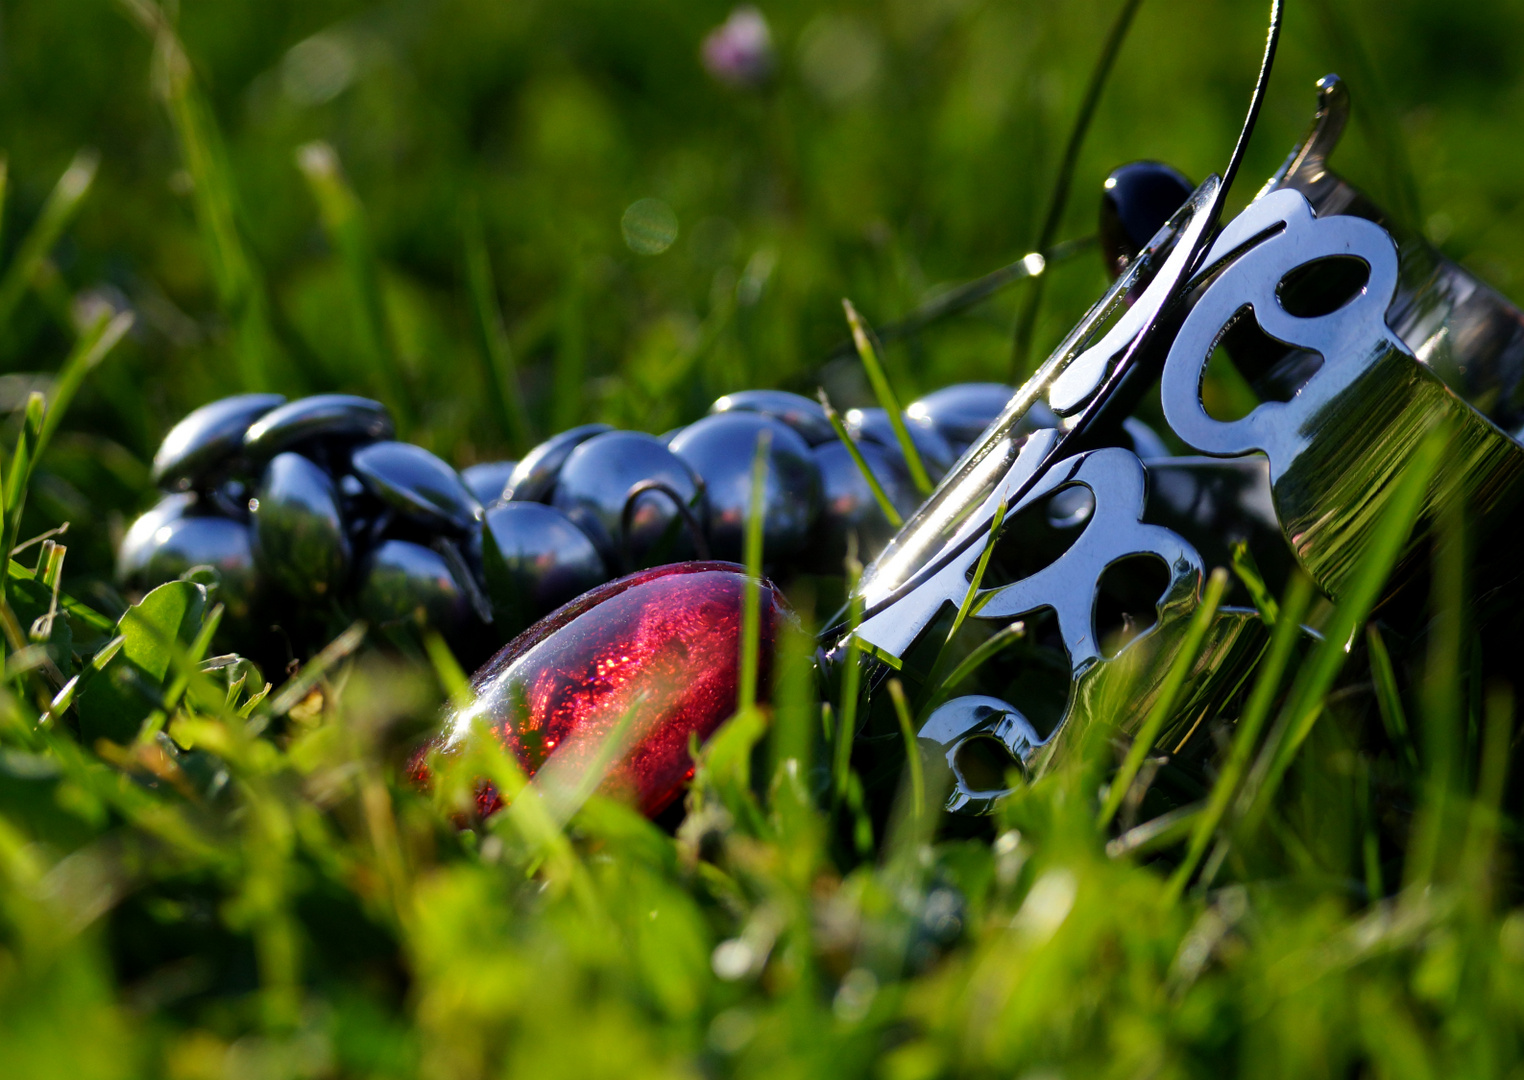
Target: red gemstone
664,643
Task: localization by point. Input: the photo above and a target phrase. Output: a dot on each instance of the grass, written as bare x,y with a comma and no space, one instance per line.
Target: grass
208,870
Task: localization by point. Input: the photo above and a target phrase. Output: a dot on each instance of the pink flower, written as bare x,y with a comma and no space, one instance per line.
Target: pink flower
739,52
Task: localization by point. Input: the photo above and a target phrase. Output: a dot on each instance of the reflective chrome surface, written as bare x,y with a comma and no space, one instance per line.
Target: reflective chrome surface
953,731
535,476
1336,445
176,545
1115,478
596,482
137,546
1012,453
416,484
800,413
299,538
720,449
1463,330
207,438
961,412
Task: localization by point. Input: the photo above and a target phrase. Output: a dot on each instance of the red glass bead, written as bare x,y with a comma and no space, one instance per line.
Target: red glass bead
664,642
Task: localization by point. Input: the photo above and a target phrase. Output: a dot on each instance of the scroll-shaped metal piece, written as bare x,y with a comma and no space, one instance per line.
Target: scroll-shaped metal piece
1011,455
954,725
1116,530
1459,327
1338,443
1120,688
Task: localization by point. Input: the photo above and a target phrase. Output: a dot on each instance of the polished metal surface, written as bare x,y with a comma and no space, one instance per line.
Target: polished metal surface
1117,685
1115,479
1462,329
535,476
406,583
319,418
595,484
954,725
534,560
488,481
208,438
873,425
800,413
417,485
720,448
1337,444
848,508
1146,442
300,543
1013,453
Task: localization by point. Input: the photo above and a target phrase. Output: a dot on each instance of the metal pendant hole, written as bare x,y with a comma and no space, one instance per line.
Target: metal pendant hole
1249,367
984,763
1322,286
1039,535
1127,600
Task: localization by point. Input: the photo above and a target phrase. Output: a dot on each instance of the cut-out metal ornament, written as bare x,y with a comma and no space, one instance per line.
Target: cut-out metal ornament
1379,351
1355,367
1380,355
930,564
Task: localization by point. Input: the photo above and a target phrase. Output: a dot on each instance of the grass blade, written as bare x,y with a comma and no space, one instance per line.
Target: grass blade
751,610
62,205
879,496
1313,681
1026,323
1283,641
912,751
498,367
886,398
1164,705
1388,698
344,222
240,284
92,347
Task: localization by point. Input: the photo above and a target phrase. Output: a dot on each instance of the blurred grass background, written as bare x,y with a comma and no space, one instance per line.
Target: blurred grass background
299,196
897,149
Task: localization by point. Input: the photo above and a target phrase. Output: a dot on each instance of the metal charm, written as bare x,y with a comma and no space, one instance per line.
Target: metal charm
1338,443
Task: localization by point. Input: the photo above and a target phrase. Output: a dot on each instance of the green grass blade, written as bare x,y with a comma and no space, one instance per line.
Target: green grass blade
59,210
1164,705
1006,636
1247,570
879,495
886,397
1026,323
1283,641
912,751
498,366
239,282
344,222
1388,698
93,346
751,610
1313,681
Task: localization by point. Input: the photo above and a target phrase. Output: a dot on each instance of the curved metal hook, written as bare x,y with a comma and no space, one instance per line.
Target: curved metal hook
626,516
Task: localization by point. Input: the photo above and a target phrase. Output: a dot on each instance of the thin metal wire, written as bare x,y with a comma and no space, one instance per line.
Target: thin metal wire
627,516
